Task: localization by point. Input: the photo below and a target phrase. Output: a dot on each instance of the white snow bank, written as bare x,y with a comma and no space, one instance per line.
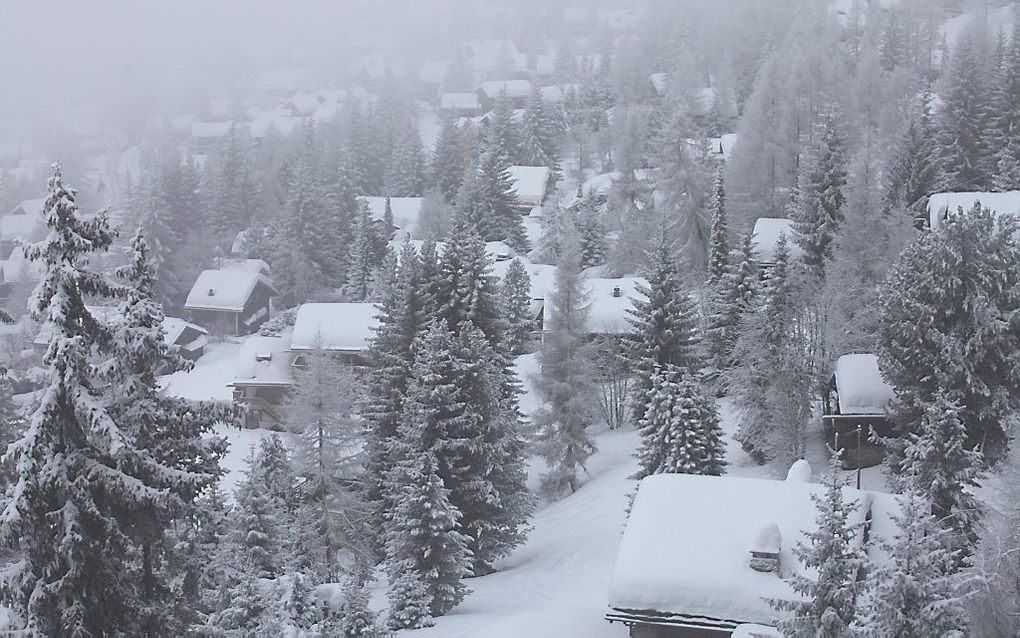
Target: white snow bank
334,326
800,472
860,385
942,205
755,631
685,547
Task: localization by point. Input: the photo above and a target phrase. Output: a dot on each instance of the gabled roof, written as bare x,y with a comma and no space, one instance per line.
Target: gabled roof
687,544
608,312
174,328
334,326
35,207
860,385
264,361
227,290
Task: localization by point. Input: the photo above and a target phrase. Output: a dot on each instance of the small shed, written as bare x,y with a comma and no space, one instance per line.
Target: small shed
686,566
531,184
262,377
609,304
343,329
230,301
190,339
854,406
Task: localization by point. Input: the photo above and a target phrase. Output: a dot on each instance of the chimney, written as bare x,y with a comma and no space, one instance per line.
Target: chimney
765,549
212,293
617,291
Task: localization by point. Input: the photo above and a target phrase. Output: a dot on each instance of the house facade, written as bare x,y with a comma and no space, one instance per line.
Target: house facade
230,302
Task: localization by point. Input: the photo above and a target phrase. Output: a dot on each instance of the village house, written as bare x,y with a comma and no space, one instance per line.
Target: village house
531,184
345,330
262,377
494,58
459,105
765,239
25,222
609,303
228,301
942,205
854,406
679,575
516,91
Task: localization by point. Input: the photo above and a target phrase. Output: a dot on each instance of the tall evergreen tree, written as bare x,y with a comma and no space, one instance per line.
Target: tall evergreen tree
234,186
405,176
821,195
537,137
449,160
488,202
735,296
680,431
913,170
516,296
963,119
503,135
718,246
1005,124
591,231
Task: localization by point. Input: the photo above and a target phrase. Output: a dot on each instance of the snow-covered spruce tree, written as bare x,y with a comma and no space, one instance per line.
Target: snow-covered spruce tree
76,488
503,136
564,384
961,285
355,618
12,426
329,516
174,452
537,138
515,292
821,185
488,202
831,551
963,118
405,176
680,431
449,160
363,257
1005,116
235,191
665,326
918,593
913,168
736,295
718,243
591,231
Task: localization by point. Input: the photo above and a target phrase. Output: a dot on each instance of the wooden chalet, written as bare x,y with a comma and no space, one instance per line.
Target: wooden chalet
854,407
233,302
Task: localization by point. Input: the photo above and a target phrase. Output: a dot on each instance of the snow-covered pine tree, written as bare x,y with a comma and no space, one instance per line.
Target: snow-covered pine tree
564,384
821,185
234,187
913,169
737,294
680,431
329,516
961,284
537,138
449,160
405,176
718,244
502,136
591,231
918,593
831,551
665,326
1005,116
488,202
363,257
963,118
70,510
516,296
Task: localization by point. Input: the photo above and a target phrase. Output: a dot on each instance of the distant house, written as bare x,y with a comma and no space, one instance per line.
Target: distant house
230,301
406,211
609,302
703,555
943,205
459,104
345,330
854,406
765,238
532,184
517,91
28,227
262,377
303,104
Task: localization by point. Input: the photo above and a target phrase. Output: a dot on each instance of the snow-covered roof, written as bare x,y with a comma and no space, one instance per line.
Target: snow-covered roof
174,327
686,547
303,103
433,71
941,205
609,301
264,361
334,326
327,112
545,63
541,275
406,210
240,264
27,227
17,269
860,385
227,290
766,234
210,130
35,207
513,88
459,101
531,183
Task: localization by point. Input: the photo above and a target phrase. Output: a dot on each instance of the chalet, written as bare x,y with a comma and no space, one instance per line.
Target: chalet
405,210
531,184
190,339
703,555
205,135
854,406
459,104
942,205
345,330
262,377
609,302
32,207
517,91
765,238
230,301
